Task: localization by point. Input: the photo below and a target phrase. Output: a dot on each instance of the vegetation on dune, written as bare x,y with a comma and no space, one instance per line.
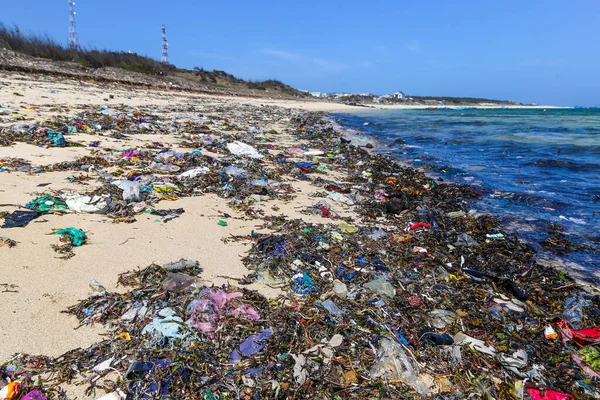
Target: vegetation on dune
46,47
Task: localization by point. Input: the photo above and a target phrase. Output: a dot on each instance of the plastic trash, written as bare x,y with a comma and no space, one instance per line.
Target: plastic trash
377,233
182,263
304,166
19,219
330,306
465,240
236,172
77,237
47,204
429,336
573,312
304,284
132,190
167,324
584,336
547,394
56,138
34,395
97,289
456,214
10,391
347,228
83,203
178,282
251,346
418,225
243,149
478,345
381,286
314,153
165,167
515,290
194,172
210,305
340,289
394,363
342,198
550,333
136,310
441,318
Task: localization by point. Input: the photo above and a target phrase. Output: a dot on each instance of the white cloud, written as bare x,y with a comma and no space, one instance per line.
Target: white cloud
300,58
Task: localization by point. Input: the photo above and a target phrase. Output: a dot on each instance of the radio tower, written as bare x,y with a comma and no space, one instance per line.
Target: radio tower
165,47
73,41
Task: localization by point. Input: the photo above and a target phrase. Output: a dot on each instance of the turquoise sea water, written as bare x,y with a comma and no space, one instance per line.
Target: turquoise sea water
535,167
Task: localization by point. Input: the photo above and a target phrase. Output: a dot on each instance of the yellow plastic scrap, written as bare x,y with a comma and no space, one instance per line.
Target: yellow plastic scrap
347,228
165,189
337,236
123,335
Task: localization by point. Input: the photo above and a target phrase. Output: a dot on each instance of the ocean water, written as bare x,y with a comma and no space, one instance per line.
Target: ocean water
536,167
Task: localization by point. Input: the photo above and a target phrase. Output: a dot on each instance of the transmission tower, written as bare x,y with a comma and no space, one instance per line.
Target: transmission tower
73,40
165,47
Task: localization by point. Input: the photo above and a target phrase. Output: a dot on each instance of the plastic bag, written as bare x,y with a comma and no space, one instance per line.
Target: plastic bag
167,324
332,308
178,282
440,318
243,149
395,364
235,171
81,203
381,287
573,312
340,289
181,264
132,190
342,198
194,172
251,346
76,236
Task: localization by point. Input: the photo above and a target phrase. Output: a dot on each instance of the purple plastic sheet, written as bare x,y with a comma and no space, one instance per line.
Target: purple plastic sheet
252,345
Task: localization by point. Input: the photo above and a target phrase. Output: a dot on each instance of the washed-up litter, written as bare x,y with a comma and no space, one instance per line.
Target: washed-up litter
47,204
19,219
410,296
74,236
85,203
243,149
4,241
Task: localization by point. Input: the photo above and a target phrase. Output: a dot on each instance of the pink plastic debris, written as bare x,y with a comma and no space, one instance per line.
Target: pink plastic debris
34,395
211,305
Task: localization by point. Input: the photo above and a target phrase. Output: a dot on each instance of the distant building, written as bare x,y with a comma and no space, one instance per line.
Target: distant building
399,96
318,94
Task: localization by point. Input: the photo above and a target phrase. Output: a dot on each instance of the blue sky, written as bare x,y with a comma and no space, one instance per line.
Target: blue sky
530,51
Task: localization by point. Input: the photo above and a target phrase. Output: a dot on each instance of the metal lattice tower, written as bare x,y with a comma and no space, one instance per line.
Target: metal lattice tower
165,47
73,40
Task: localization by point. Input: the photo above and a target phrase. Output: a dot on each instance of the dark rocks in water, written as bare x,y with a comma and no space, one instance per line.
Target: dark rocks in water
399,141
369,146
345,141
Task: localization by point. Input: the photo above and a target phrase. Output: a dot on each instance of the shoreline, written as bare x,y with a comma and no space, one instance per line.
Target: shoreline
37,324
